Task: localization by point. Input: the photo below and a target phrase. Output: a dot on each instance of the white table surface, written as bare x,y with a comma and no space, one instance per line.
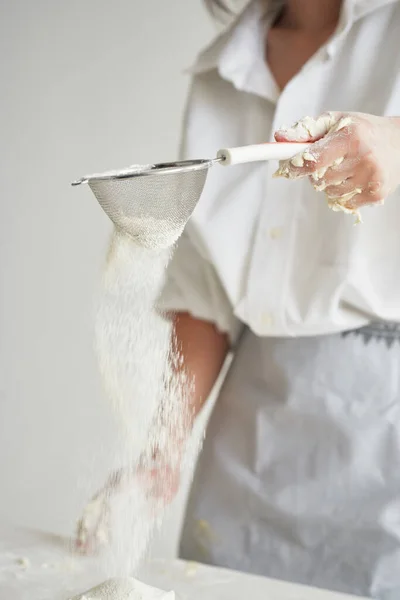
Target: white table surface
38,566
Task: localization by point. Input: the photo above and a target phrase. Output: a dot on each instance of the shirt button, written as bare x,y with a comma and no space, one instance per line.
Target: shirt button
275,233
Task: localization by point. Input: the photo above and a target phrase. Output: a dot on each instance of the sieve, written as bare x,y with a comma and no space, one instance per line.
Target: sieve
152,203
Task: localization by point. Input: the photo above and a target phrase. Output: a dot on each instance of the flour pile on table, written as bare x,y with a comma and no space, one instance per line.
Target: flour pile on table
125,589
133,343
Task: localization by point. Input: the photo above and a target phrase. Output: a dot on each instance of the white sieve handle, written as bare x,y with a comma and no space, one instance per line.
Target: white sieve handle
268,151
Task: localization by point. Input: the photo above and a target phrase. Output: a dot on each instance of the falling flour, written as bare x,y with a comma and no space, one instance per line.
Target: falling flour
150,232
147,391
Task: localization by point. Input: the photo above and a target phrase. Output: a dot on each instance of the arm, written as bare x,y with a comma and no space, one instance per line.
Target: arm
198,352
203,350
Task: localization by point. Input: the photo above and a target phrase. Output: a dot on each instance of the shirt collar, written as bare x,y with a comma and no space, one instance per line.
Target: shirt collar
231,51
234,44
238,54
352,11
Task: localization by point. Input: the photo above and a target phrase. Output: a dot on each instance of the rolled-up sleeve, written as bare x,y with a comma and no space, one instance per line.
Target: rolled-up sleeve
192,285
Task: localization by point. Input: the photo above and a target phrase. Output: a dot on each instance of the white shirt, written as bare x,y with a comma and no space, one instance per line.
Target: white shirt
266,252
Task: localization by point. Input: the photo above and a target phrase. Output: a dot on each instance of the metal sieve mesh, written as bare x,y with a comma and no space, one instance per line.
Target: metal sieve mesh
152,204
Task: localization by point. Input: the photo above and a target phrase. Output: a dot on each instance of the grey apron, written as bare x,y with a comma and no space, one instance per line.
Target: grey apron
299,477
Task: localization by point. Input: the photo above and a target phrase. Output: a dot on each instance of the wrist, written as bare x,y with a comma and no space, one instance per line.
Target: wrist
165,448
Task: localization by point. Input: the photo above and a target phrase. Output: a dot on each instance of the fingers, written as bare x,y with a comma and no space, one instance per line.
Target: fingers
93,529
326,153
343,182
338,190
353,200
337,181
308,129
85,546
81,538
365,198
340,171
346,159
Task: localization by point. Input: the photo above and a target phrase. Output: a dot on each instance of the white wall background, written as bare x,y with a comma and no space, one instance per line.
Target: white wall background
86,85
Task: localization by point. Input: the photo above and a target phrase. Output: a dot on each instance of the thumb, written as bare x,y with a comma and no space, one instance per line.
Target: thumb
308,129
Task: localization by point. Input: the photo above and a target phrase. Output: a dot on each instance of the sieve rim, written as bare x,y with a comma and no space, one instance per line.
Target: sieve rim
167,168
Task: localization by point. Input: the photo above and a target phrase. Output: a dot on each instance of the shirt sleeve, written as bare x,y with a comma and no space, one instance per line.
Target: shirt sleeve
192,285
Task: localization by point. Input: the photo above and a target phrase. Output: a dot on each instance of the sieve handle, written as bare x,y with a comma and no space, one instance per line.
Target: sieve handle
268,151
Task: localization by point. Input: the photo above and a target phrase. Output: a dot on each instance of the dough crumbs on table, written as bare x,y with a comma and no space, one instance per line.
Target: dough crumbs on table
203,527
191,569
24,562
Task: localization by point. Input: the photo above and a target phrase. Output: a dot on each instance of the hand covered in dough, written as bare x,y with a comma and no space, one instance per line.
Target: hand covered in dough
353,157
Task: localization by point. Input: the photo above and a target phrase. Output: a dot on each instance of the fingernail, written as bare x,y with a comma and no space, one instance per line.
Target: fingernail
310,157
281,172
297,160
317,175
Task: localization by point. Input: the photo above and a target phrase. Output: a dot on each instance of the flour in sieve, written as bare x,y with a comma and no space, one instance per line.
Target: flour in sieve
151,233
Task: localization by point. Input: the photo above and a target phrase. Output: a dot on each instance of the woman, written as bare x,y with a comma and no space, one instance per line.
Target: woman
299,477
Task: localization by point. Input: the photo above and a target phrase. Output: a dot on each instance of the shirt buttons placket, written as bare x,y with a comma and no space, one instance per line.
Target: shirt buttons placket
275,236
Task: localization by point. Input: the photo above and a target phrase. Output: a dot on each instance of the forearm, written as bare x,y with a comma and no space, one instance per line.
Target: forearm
198,351
202,350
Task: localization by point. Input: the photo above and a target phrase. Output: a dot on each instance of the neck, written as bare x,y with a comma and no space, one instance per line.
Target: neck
310,15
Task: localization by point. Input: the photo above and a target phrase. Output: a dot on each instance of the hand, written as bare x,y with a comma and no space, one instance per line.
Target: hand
353,157
160,480
93,529
157,480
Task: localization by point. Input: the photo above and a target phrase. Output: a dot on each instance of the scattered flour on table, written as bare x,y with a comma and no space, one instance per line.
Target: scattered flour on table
24,562
191,569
